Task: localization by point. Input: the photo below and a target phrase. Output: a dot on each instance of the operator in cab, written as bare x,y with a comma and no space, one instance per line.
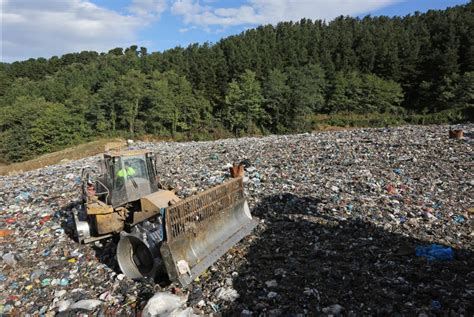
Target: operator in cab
126,172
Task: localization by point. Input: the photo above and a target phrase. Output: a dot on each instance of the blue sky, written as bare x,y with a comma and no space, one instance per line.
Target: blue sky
34,28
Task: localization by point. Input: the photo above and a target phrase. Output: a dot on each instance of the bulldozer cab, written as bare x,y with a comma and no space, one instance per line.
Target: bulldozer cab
129,176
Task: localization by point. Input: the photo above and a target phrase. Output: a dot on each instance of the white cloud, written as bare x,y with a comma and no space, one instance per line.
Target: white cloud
184,30
43,28
34,28
148,8
270,11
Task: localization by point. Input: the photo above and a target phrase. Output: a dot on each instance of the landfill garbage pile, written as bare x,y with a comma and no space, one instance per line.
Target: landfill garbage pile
363,221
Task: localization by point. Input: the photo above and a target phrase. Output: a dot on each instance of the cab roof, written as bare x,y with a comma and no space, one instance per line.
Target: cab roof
126,153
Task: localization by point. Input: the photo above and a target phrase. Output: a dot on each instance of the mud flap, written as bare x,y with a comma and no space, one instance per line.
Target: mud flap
201,228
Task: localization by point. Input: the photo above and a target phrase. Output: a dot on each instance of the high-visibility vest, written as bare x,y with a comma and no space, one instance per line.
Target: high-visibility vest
125,172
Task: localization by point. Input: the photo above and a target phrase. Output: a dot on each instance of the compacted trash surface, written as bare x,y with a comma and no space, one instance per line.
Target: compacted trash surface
355,222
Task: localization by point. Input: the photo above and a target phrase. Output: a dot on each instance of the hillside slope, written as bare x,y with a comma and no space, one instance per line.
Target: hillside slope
66,155
270,79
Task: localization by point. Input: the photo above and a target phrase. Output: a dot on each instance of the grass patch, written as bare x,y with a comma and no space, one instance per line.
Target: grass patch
69,154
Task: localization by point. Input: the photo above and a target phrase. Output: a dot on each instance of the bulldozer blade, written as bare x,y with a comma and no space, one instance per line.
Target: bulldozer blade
202,228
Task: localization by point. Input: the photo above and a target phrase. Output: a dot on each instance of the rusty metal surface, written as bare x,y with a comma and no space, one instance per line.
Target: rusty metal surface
121,153
456,134
237,170
220,250
201,228
151,204
189,216
98,208
108,223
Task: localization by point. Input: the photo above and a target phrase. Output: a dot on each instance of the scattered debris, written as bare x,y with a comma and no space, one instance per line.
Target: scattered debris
335,309
86,304
226,294
166,305
271,283
341,215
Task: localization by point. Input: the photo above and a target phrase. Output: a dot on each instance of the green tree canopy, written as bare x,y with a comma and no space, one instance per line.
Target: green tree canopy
244,101
33,126
273,78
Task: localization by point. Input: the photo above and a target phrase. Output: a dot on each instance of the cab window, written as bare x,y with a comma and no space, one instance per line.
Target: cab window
139,166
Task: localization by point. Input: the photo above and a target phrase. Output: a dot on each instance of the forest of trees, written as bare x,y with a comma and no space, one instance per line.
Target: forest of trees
271,79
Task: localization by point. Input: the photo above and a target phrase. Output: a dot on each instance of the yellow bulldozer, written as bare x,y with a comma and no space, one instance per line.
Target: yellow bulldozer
157,231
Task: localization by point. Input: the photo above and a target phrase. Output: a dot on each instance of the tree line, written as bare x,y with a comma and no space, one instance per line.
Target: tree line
270,79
